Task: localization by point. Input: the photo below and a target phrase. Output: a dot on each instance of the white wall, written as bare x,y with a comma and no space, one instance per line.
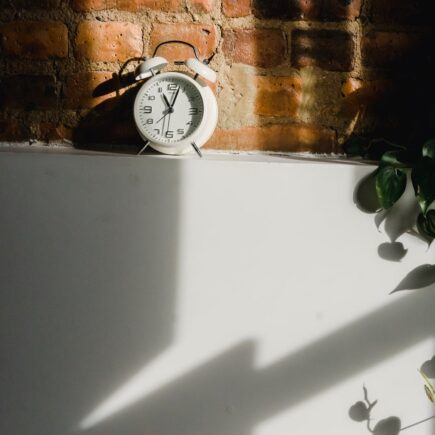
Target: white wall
228,296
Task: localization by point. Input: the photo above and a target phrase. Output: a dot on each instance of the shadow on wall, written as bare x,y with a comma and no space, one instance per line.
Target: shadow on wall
228,395
88,277
110,125
361,412
396,95
395,222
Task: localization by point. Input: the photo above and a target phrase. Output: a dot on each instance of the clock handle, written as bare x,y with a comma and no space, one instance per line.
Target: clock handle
176,41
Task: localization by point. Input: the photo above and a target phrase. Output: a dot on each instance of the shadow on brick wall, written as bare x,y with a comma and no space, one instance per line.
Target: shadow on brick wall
396,97
110,124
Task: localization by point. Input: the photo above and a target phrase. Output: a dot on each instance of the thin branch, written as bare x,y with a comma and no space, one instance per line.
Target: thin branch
418,422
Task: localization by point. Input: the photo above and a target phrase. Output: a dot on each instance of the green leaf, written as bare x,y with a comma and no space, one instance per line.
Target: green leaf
423,179
378,147
429,149
390,185
398,159
355,146
426,224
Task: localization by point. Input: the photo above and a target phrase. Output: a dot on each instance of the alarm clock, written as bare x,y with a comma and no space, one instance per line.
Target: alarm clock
175,112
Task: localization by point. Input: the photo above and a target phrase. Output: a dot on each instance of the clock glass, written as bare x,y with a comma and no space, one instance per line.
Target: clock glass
169,110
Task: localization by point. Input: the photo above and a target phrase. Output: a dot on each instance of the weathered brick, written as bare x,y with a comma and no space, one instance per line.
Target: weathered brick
288,9
28,92
13,130
51,131
350,85
275,137
337,10
79,87
127,5
258,47
39,40
237,8
30,4
202,6
367,94
110,123
388,49
402,11
315,10
332,50
108,41
202,36
278,96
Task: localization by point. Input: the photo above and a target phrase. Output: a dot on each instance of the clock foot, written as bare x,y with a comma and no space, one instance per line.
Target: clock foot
143,148
198,151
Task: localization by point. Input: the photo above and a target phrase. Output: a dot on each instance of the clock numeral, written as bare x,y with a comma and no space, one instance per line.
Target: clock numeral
180,131
193,111
190,123
160,90
157,130
150,121
169,134
147,109
172,87
151,98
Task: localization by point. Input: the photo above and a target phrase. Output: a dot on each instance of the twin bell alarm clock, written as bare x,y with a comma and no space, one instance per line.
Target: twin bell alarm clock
175,112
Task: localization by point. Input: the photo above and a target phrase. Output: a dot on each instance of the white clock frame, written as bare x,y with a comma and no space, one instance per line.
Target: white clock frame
202,133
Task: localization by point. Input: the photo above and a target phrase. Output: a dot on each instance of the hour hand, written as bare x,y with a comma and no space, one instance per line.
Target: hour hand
166,101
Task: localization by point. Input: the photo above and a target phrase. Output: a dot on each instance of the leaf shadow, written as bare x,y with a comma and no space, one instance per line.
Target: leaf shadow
419,278
428,368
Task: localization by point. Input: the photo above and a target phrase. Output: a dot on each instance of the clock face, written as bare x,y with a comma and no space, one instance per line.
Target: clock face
169,109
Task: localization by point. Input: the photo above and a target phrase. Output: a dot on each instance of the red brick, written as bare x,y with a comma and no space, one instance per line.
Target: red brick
258,47
402,11
350,85
368,95
127,5
29,92
278,96
30,4
332,50
51,132
78,89
337,10
237,8
110,123
315,10
276,137
202,6
13,130
202,36
388,49
39,40
108,42
288,9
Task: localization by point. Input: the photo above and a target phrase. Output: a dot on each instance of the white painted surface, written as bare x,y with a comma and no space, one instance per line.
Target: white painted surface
226,296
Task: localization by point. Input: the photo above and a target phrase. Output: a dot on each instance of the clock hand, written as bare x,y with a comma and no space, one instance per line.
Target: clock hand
169,123
175,98
166,101
163,117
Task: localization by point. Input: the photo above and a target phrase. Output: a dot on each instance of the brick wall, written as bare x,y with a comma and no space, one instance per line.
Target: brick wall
294,75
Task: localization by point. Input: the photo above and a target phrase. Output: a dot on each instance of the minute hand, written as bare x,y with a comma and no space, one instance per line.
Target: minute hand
175,98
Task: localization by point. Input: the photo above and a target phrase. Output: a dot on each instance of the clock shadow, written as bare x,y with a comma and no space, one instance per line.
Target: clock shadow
110,126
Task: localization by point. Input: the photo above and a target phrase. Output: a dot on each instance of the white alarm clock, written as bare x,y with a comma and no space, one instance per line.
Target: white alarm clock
174,112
